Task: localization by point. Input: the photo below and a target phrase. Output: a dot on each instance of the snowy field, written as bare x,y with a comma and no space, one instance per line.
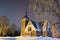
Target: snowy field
28,38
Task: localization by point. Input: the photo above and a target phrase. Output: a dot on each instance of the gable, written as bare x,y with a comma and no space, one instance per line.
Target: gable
30,25
45,25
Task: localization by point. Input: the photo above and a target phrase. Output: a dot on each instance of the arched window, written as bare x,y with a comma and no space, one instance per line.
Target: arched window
29,29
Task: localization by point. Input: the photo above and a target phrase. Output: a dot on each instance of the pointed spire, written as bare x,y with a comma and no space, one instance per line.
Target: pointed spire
26,13
26,16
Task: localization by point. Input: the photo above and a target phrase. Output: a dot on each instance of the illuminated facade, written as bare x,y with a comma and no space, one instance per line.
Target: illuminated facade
29,27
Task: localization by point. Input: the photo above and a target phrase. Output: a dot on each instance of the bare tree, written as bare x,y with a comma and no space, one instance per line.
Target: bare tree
45,10
3,25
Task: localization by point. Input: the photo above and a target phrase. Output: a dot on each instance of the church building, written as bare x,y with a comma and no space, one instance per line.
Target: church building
29,27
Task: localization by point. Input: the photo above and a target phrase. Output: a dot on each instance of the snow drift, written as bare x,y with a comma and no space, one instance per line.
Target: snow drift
28,38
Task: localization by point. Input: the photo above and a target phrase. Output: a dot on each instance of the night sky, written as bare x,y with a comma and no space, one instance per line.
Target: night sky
15,10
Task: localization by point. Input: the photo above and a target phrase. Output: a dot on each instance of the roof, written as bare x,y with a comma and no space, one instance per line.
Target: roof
36,25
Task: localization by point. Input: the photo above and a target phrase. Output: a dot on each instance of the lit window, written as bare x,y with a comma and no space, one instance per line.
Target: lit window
29,29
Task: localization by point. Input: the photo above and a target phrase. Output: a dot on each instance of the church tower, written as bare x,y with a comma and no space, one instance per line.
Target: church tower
24,23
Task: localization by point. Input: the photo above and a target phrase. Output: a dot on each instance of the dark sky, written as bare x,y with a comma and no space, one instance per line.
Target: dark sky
15,10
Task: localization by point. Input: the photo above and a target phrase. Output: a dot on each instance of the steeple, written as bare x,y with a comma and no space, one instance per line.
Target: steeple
25,16
26,13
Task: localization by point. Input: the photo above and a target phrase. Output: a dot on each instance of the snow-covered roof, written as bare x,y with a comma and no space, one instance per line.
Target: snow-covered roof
36,25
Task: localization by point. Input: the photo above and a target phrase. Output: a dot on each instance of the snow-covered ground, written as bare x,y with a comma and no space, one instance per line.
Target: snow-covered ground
28,38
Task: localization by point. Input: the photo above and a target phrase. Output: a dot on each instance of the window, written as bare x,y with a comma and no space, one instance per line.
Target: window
29,29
